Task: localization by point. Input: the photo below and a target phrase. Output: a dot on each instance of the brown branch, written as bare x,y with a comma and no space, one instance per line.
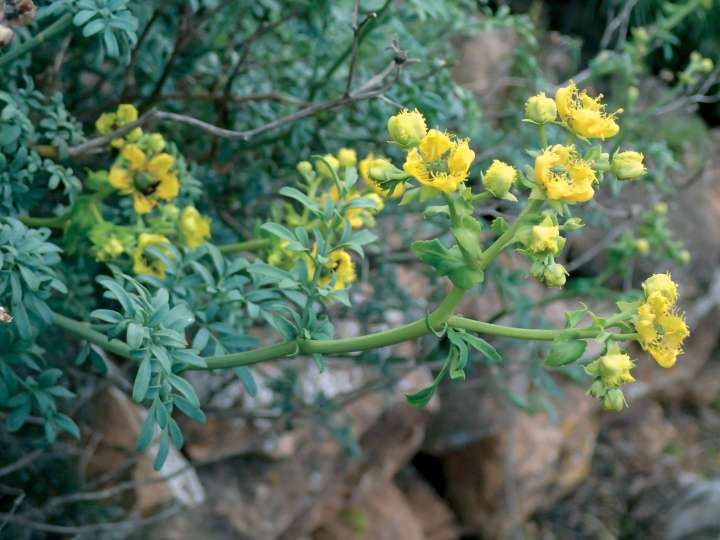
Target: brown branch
208,96
364,92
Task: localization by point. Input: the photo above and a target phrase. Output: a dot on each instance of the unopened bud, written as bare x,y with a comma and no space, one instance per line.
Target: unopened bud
540,109
614,400
407,128
327,166
628,165
347,157
499,178
305,168
555,275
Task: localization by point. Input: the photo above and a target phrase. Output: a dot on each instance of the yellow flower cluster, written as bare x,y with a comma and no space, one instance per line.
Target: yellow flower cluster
358,217
108,122
338,266
147,178
563,175
545,237
585,115
660,327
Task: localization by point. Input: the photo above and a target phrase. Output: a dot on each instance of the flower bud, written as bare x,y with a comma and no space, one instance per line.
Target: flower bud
347,157
661,208
545,237
707,65
126,113
499,178
633,94
615,368
540,109
614,400
684,256
155,142
324,165
407,128
597,389
305,168
381,170
555,275
628,165
642,246
170,212
105,122
573,223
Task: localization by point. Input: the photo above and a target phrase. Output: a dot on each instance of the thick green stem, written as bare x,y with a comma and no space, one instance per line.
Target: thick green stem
85,331
249,245
55,222
530,333
56,28
508,236
542,134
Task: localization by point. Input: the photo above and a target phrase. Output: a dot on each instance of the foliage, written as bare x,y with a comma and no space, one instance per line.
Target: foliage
166,215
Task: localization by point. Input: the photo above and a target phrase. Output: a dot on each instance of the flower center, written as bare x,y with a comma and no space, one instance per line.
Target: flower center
439,166
145,183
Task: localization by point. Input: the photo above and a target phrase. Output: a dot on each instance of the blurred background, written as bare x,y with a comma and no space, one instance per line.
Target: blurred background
516,451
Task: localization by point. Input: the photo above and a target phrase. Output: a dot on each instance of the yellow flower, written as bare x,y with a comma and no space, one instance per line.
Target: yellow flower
321,165
499,178
105,122
142,263
347,157
615,369
407,128
135,157
563,175
628,165
545,237
660,328
663,286
585,115
194,228
126,113
440,162
339,265
146,180
540,109
374,170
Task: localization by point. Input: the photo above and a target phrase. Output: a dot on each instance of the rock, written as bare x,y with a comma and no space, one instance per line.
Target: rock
384,514
485,63
641,433
497,482
435,517
267,498
695,515
118,421
704,389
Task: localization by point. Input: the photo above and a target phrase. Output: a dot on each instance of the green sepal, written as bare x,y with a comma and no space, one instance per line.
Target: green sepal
565,351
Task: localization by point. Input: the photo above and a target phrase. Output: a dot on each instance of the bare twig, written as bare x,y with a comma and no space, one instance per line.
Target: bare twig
22,462
269,96
116,526
366,91
617,23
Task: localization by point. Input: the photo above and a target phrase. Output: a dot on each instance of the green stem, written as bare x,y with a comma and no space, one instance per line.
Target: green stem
530,333
41,37
506,238
249,245
85,331
55,222
542,134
